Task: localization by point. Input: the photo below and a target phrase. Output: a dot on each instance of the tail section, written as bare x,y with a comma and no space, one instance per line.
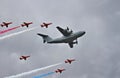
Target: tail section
46,38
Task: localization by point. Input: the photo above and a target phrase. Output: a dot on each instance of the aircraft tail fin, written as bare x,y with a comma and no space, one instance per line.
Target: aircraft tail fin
46,38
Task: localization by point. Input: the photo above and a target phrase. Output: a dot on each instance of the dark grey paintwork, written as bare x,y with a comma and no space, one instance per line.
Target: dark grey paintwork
64,39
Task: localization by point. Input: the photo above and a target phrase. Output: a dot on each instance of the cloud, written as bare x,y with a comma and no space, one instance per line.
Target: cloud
97,52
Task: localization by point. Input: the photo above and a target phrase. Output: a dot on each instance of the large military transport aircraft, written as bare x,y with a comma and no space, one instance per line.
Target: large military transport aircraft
69,37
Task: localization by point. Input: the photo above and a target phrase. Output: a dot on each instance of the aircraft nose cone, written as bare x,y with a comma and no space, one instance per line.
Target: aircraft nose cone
83,33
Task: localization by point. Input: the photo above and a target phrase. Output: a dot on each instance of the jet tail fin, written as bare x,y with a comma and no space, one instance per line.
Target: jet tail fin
46,38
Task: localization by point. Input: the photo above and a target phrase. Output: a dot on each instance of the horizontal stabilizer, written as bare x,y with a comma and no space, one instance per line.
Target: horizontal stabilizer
46,38
42,35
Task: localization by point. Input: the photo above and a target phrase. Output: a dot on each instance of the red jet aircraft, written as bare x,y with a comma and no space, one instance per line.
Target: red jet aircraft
26,24
45,24
69,61
5,24
24,57
59,70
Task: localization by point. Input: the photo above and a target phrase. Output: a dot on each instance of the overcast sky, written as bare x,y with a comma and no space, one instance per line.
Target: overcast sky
97,53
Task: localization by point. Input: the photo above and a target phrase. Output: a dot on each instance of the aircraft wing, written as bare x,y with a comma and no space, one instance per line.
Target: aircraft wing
71,45
63,31
24,58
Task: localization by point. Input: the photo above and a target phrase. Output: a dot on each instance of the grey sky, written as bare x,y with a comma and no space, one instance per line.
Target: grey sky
97,53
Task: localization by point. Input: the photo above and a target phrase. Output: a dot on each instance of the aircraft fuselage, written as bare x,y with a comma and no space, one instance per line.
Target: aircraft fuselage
67,39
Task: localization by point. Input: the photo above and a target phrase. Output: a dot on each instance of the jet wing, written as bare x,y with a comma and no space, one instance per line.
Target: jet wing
71,45
24,58
63,31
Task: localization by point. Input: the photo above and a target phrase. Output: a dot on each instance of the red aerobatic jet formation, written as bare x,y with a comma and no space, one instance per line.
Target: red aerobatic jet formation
24,57
58,70
66,61
5,24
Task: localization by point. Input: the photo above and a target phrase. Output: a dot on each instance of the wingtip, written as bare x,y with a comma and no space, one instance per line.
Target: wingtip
38,34
43,35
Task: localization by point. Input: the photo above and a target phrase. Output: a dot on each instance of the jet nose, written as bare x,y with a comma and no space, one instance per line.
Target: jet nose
83,32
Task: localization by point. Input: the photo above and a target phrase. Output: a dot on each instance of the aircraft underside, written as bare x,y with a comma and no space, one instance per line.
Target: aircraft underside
67,40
